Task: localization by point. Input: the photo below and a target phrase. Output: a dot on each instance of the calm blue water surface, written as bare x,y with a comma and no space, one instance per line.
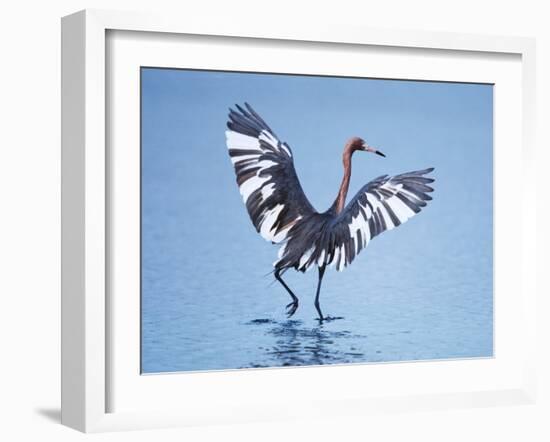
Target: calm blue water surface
421,291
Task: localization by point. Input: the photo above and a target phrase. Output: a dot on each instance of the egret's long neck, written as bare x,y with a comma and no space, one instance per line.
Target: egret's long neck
342,193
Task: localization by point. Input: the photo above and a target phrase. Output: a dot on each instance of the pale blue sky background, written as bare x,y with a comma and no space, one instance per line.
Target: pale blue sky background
203,264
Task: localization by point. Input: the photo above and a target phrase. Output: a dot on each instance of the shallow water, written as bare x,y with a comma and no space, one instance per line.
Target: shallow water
421,291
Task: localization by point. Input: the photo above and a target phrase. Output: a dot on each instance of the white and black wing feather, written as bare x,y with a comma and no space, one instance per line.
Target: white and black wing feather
265,174
382,204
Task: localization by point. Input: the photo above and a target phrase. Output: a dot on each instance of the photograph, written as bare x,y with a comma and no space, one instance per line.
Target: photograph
294,220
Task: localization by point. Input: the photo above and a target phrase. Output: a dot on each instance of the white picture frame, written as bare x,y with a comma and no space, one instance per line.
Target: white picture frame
87,356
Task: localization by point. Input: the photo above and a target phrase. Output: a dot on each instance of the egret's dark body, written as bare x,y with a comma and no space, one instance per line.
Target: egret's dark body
281,212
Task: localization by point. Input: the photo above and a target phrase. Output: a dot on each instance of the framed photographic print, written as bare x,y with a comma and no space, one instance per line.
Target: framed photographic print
264,222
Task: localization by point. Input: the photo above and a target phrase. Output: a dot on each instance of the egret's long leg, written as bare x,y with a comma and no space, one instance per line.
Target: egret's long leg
317,305
293,306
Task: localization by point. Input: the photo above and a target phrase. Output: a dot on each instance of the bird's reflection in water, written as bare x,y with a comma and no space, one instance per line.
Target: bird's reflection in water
295,345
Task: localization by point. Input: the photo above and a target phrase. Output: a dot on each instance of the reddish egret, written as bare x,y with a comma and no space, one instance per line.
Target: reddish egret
281,212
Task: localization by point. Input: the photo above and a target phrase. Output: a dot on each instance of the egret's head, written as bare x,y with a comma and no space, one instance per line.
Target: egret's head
357,143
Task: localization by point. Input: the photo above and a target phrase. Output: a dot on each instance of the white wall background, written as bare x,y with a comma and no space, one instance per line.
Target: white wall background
30,220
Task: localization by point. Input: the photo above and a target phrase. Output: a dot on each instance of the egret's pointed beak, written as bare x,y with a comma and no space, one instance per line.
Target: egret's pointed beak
373,150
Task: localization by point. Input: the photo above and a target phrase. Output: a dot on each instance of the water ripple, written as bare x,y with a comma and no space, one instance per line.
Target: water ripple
295,344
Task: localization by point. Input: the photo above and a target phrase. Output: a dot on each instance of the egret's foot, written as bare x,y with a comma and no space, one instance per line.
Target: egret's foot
329,318
291,308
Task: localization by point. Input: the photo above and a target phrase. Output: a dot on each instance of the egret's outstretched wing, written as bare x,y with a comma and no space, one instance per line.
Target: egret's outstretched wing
382,204
265,174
